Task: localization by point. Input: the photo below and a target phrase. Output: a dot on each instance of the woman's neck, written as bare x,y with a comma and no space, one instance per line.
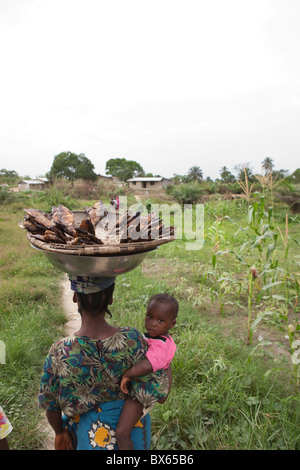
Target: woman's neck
95,326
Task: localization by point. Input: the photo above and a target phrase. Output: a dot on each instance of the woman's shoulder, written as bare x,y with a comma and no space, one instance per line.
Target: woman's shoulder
63,343
72,342
131,335
130,332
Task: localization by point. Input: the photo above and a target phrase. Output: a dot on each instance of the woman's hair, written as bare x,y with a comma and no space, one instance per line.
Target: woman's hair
166,298
96,302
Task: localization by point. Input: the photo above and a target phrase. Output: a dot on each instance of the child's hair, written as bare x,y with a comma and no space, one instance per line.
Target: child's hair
96,302
166,298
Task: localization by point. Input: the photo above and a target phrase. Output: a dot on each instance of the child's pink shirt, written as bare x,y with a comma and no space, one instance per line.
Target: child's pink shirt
161,350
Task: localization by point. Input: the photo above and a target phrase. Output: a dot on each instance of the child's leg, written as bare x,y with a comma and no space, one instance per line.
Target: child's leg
131,413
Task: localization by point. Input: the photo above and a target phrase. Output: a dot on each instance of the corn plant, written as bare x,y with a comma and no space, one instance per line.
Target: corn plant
219,288
260,239
246,187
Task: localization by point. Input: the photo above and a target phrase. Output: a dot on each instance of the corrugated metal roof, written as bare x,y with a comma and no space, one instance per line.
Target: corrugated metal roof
30,182
149,178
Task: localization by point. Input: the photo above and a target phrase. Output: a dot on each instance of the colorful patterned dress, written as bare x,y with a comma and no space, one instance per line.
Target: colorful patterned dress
81,377
5,426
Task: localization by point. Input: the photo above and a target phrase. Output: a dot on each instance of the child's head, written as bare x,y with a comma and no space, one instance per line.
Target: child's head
161,314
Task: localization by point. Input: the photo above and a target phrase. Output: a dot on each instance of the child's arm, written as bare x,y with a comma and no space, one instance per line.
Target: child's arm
63,439
132,411
142,367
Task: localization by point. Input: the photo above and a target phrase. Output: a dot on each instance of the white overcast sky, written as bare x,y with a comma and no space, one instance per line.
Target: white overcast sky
167,83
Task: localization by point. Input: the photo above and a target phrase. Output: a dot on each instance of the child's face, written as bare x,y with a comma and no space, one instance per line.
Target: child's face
159,318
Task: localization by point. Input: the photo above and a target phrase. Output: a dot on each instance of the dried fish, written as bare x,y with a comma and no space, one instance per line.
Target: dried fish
96,228
31,227
66,217
134,216
38,216
122,220
38,236
87,225
85,235
51,237
97,212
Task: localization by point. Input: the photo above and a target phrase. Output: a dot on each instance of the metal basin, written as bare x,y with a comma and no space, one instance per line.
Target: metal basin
94,266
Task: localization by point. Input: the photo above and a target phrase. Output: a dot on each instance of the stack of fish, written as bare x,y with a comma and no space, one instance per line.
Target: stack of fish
95,228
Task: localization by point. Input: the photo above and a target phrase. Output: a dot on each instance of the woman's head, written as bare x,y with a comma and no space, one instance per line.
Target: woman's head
96,302
93,295
162,310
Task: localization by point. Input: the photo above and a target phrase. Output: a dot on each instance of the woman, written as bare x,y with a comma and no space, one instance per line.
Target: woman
80,384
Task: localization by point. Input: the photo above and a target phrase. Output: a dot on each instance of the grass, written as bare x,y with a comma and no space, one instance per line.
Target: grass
226,394
31,317
232,402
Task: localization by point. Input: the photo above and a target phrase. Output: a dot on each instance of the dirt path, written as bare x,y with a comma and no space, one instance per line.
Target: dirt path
73,323
71,327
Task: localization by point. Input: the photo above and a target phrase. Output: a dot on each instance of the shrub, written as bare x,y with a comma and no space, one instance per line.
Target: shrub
189,193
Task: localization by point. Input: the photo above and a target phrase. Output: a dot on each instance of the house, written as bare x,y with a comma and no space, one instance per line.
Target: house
44,180
31,185
148,183
110,181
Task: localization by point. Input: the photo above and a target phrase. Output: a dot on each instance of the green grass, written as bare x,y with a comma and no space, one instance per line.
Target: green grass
31,317
226,394
220,398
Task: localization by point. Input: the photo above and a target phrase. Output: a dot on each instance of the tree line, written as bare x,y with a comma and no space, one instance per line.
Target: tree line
72,166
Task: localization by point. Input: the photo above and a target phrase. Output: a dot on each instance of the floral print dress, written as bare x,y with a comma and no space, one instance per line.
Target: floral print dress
5,426
82,376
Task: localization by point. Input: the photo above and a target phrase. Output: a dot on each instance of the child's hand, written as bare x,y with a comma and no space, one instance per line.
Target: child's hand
63,441
124,382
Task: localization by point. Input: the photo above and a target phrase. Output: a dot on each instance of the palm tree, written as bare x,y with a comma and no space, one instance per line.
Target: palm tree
267,165
226,175
195,173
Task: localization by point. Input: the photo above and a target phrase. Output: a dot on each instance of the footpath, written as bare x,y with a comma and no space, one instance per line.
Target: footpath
72,325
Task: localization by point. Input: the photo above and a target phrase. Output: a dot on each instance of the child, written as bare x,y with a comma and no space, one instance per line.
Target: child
161,316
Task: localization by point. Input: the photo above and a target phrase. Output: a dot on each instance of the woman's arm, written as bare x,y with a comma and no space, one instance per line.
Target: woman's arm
63,439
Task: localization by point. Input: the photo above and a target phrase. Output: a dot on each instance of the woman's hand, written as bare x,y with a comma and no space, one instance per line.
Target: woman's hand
63,441
63,438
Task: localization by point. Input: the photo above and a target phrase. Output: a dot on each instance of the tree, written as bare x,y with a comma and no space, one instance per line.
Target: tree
226,175
71,166
8,175
123,169
267,165
195,174
241,169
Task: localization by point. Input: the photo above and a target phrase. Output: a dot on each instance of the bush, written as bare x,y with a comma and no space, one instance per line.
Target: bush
189,193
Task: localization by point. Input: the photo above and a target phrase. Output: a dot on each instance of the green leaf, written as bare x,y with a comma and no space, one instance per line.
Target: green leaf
272,284
214,260
259,318
166,415
270,250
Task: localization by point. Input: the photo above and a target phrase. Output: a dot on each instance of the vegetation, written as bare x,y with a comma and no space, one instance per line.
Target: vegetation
123,169
236,367
71,166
